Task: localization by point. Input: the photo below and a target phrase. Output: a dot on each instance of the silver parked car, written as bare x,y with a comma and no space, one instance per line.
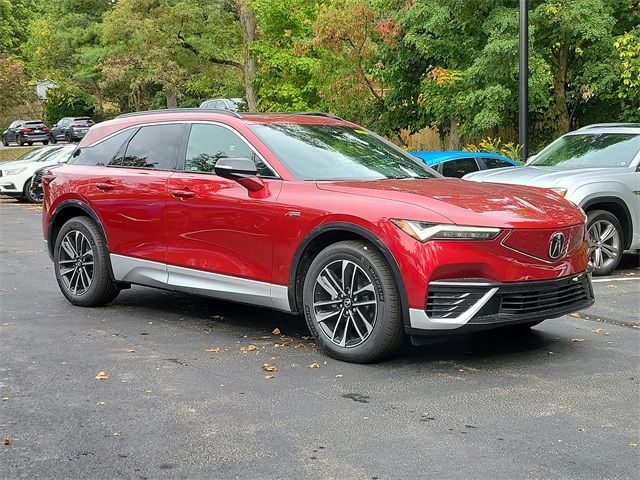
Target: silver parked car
598,168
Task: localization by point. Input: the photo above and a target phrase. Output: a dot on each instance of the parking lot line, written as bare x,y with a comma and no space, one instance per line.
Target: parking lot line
602,280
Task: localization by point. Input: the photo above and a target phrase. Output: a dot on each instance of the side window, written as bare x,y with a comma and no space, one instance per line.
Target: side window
459,168
154,146
209,143
491,163
101,153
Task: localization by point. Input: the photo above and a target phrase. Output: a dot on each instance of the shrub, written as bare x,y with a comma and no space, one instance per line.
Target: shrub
496,145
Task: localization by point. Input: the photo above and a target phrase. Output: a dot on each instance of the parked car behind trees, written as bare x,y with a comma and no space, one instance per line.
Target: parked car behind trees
25,132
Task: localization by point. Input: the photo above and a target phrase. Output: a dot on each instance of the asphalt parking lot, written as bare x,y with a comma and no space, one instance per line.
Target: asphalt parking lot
183,400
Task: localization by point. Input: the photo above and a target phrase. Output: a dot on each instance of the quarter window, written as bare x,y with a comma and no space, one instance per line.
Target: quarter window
101,153
154,146
209,143
459,168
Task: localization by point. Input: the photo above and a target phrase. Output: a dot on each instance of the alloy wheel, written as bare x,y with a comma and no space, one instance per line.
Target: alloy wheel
345,303
76,262
605,244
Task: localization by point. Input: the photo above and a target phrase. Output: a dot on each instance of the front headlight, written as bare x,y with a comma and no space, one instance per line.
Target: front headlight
559,190
14,171
424,232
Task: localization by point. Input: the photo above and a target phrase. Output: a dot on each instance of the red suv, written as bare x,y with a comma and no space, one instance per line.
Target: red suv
308,213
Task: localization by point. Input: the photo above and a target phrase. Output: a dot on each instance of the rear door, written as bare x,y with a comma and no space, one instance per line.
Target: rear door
130,196
218,231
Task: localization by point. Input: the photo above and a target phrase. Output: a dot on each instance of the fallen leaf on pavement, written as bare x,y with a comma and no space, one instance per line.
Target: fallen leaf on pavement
300,345
577,340
338,376
101,403
6,441
633,444
276,331
269,368
248,348
102,376
284,344
314,365
131,350
268,377
147,391
213,349
598,330
4,399
574,314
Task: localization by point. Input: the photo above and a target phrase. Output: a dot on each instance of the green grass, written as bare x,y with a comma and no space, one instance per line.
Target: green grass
12,153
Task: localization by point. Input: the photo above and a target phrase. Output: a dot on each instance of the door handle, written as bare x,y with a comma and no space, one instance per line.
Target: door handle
183,193
104,186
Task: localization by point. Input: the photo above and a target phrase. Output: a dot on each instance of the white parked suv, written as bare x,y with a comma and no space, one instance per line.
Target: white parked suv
16,177
598,168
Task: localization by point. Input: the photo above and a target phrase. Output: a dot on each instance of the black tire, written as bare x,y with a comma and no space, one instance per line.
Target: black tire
101,289
29,143
369,268
4,141
45,142
602,217
53,139
19,141
30,194
68,138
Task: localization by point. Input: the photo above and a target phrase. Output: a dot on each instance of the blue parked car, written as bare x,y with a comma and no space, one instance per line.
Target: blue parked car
458,164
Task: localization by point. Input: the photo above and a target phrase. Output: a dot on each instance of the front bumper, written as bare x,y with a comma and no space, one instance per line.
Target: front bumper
471,304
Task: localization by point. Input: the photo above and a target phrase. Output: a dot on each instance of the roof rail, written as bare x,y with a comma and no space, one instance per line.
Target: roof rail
319,114
180,110
612,125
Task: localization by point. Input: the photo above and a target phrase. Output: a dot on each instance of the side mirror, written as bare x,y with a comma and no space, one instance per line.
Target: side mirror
241,170
235,168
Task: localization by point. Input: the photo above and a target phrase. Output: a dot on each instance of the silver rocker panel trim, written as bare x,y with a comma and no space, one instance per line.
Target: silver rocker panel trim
225,287
420,320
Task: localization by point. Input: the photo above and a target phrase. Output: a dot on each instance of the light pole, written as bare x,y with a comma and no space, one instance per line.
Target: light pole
523,80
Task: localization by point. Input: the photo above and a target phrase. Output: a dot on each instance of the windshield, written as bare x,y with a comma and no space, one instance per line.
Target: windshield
591,150
330,152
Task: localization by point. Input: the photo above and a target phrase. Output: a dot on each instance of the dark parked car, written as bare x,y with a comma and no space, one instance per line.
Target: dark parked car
457,164
25,131
71,129
231,104
309,214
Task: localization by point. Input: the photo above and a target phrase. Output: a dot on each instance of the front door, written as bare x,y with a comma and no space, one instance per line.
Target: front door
219,233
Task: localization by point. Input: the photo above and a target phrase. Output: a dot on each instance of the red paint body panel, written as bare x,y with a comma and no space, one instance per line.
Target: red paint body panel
223,228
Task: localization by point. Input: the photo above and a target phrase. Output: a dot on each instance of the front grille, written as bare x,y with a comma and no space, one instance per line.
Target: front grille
451,303
545,298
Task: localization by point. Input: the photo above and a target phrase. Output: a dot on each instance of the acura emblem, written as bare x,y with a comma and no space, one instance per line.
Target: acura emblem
556,245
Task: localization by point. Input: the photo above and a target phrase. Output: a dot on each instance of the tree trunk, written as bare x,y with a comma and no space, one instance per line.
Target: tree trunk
172,100
454,136
248,22
561,111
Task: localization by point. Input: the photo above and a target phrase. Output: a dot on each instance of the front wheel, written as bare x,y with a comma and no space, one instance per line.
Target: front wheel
4,141
52,139
45,142
81,262
32,193
606,237
351,303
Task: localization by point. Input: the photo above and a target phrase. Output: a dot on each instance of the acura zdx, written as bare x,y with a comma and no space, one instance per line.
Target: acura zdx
308,214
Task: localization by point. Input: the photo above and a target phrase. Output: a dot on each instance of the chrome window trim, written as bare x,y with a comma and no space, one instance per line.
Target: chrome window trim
191,122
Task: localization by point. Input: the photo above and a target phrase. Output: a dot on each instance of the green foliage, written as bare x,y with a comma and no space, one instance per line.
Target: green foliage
15,16
628,49
67,102
496,145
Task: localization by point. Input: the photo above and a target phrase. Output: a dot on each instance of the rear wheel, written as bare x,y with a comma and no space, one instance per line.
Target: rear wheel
29,143
45,142
81,262
606,237
351,303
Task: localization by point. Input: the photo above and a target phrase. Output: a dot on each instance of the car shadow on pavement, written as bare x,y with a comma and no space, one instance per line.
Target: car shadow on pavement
244,321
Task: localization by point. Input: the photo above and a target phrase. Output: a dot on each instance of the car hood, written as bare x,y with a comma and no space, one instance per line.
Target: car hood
470,203
545,177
